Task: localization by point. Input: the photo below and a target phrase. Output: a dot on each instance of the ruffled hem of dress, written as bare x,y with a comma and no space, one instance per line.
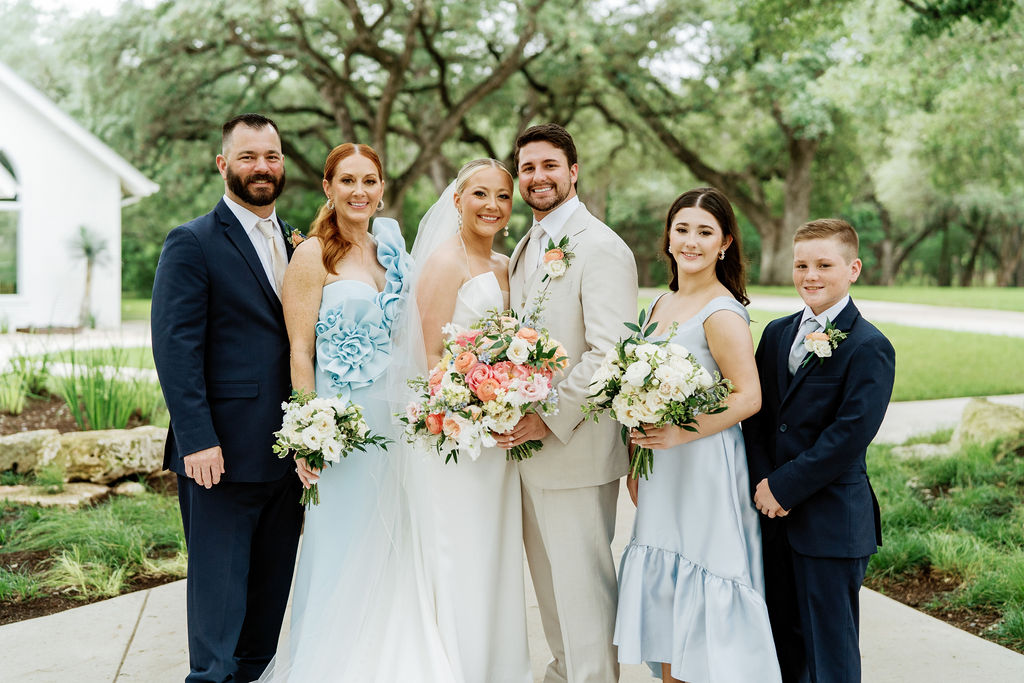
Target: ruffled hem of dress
709,628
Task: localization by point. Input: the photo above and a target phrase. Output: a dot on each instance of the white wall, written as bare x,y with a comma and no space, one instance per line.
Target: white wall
62,187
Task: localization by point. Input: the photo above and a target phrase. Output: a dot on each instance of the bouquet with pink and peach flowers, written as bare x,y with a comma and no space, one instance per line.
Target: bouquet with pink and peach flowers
489,377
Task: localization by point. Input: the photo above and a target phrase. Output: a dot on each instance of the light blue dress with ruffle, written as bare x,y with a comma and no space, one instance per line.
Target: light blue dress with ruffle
691,583
353,350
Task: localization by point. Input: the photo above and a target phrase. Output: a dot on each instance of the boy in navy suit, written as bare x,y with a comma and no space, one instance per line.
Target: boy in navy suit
826,378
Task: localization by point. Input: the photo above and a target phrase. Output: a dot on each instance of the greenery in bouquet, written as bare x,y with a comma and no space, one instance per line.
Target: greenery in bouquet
489,377
644,383
322,431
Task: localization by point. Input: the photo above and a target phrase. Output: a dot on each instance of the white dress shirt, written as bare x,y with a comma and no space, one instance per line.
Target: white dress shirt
827,315
248,221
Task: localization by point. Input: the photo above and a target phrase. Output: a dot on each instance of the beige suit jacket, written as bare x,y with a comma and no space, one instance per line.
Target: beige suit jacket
586,310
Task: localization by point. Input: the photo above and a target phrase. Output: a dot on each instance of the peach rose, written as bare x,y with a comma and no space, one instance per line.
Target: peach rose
478,373
436,375
451,427
464,361
487,390
553,255
528,334
297,238
435,423
502,371
817,336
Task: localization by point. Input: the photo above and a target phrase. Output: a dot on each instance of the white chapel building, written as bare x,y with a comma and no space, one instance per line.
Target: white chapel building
55,178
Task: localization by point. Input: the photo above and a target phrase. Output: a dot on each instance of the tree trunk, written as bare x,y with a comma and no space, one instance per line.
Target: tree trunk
777,252
944,275
1011,257
981,232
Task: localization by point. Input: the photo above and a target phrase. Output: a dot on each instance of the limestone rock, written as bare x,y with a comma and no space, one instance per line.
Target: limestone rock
25,451
923,450
984,422
108,455
73,495
129,488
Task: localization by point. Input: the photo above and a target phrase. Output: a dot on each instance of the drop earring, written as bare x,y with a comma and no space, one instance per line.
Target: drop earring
721,255
330,204
460,222
506,230
380,205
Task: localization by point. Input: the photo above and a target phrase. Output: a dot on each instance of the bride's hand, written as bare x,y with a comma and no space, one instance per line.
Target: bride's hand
307,475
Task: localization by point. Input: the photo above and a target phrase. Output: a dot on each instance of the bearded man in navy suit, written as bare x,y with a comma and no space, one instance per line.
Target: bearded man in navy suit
826,379
221,353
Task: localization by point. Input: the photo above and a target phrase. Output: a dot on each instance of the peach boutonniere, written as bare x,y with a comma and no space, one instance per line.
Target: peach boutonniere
292,235
557,258
820,344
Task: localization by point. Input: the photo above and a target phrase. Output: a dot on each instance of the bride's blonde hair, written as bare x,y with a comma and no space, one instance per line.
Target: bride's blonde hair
470,169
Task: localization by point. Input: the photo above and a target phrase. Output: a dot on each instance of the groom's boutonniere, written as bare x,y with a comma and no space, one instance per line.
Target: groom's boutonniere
292,235
557,258
820,344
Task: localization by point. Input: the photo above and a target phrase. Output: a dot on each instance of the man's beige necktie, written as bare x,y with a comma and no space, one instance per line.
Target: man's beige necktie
278,259
533,249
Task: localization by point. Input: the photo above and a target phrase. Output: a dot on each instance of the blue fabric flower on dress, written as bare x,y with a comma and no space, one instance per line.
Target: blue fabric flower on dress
353,339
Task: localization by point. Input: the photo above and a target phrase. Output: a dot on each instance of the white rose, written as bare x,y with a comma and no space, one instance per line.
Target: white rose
611,355
412,411
636,373
601,377
518,351
819,347
332,451
667,373
646,351
677,350
555,268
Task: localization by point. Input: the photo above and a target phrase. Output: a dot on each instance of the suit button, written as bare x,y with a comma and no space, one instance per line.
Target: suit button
783,427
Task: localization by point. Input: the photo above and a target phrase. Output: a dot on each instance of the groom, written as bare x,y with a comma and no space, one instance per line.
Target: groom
570,487
221,353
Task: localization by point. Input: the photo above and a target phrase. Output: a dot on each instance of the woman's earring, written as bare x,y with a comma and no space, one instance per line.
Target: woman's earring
506,230
330,204
721,255
460,220
380,205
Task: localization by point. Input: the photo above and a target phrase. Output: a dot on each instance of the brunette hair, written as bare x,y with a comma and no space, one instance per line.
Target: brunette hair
546,132
828,228
254,121
730,271
325,225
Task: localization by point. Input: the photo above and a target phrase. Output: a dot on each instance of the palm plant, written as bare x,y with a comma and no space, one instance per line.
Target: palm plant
91,247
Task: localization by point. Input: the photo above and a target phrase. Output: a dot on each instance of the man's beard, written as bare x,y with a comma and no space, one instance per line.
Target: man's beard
240,187
556,198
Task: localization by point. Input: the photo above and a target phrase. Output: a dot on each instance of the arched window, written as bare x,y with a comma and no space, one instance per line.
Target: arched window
10,214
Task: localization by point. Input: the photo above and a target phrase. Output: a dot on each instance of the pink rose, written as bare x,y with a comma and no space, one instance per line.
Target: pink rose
521,371
451,427
464,339
535,390
502,371
477,374
412,412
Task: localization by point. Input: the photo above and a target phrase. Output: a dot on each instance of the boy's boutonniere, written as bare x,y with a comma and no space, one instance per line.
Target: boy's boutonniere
557,258
292,235
820,344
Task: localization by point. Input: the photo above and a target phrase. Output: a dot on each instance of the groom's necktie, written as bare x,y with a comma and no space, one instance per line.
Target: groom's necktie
797,353
278,259
533,248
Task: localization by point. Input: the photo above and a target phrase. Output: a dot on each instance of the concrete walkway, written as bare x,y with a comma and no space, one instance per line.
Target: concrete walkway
141,637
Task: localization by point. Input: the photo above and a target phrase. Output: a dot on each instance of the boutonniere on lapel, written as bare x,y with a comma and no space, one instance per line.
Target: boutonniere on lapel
292,235
557,258
820,344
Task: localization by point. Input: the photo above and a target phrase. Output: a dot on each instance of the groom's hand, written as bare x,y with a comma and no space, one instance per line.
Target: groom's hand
205,466
529,428
765,501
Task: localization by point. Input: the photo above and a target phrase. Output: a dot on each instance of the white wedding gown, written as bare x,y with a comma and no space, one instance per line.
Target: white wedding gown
472,526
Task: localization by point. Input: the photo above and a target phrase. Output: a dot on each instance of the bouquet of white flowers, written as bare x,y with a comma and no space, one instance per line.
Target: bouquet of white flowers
322,431
653,383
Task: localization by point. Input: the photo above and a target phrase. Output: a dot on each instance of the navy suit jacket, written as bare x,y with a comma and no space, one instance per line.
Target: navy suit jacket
811,435
220,347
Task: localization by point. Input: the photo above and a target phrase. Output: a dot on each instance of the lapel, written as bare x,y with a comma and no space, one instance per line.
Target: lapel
844,323
234,232
785,341
286,230
575,226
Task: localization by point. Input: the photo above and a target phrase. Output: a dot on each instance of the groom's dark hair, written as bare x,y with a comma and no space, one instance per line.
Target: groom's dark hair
546,132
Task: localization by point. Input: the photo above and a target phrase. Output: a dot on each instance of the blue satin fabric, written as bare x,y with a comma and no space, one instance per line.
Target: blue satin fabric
691,584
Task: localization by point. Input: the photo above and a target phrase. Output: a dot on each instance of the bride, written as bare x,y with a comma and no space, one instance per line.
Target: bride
472,509
410,569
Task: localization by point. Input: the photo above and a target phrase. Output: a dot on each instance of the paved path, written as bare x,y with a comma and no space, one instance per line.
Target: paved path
981,320
141,637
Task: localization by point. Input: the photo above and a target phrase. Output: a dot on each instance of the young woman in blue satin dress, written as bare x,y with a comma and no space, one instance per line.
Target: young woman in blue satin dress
691,584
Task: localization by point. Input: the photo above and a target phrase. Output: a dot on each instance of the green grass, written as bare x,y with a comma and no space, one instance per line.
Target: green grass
962,517
97,551
996,298
125,357
18,586
135,309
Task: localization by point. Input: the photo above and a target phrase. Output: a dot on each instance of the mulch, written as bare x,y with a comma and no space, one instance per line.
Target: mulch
50,412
